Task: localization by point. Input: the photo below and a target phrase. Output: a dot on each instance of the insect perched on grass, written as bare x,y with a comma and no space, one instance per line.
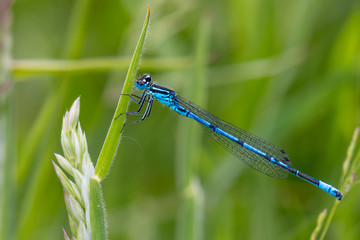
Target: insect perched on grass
252,150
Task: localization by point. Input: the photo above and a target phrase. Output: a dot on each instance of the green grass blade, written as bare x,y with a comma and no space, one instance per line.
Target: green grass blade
23,69
97,215
112,140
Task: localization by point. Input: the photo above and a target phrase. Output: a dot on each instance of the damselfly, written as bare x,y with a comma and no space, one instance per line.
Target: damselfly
252,150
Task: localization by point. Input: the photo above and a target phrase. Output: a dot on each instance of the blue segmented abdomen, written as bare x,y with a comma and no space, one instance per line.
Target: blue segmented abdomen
230,137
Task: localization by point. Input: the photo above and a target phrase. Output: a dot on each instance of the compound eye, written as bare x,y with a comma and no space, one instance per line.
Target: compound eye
143,81
147,78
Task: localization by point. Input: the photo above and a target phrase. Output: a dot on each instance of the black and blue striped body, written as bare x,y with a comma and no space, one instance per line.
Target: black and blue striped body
252,150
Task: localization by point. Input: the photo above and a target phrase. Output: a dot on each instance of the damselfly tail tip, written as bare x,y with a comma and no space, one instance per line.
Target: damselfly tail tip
338,195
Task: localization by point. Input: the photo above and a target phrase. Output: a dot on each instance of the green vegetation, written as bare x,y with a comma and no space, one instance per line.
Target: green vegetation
285,70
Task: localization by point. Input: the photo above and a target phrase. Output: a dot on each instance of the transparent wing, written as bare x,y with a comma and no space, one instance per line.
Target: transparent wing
250,158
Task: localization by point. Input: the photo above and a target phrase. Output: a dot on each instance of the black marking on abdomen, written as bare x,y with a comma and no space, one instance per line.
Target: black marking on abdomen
267,157
212,127
338,195
182,109
240,142
310,179
290,169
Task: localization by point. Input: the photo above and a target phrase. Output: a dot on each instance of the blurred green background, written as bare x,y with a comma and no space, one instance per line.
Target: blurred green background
287,71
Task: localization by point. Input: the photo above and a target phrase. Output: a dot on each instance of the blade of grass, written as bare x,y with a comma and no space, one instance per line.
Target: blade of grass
97,215
48,66
112,140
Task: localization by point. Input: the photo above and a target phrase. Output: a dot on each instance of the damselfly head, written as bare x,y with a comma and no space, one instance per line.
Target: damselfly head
143,81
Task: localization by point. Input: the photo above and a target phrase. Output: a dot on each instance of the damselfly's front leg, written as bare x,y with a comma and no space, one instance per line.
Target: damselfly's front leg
145,115
141,101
